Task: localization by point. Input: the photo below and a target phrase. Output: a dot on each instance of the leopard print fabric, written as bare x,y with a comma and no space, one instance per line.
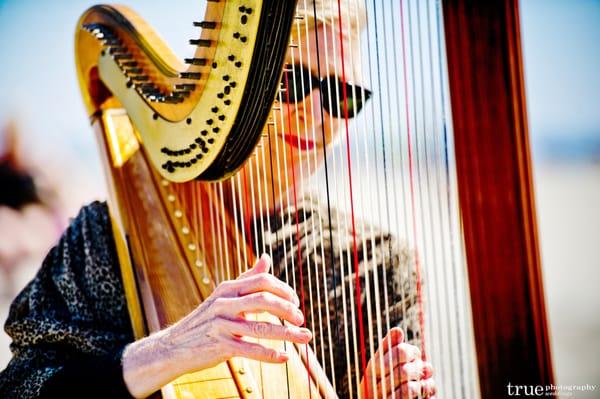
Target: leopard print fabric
75,305
385,265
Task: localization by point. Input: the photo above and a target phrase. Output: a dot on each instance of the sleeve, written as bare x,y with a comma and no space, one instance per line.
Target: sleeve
70,324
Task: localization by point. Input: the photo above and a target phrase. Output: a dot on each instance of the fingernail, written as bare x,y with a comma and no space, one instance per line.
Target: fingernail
266,258
306,332
284,356
296,299
300,316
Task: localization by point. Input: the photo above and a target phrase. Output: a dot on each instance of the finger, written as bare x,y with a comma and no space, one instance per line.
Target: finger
266,282
410,389
258,352
264,302
385,386
399,354
394,336
413,371
417,389
261,266
257,329
428,388
399,376
427,370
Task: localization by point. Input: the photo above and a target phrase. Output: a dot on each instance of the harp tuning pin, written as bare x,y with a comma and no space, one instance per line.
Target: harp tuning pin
110,41
200,42
293,45
124,56
206,24
133,70
149,87
298,17
182,93
129,64
185,86
190,75
140,78
171,99
196,61
114,50
276,108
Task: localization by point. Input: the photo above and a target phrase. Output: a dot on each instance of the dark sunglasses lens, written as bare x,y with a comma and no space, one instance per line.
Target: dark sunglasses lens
292,83
355,99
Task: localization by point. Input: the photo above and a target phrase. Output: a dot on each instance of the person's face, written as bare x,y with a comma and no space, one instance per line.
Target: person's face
300,130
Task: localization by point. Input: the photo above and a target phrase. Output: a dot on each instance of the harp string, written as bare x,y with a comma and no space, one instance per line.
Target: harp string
254,213
369,258
409,134
438,291
450,227
243,218
340,221
299,186
325,298
401,218
328,184
378,210
236,221
297,227
420,175
224,231
430,254
454,378
358,295
277,232
318,342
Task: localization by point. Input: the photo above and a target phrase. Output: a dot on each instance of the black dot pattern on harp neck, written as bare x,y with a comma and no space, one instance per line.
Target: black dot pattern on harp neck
139,78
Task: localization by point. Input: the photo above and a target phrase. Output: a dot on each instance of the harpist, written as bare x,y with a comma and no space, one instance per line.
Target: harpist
71,334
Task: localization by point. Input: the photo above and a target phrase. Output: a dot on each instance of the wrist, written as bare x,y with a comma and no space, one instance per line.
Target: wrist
148,365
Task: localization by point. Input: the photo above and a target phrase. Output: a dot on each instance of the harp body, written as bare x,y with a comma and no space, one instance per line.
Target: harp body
147,109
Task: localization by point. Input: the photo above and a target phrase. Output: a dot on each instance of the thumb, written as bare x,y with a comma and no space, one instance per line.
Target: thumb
394,337
261,266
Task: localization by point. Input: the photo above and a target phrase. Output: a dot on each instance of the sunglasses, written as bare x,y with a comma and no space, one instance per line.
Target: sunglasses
298,82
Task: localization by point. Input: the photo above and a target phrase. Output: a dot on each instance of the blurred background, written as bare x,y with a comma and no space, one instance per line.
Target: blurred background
47,148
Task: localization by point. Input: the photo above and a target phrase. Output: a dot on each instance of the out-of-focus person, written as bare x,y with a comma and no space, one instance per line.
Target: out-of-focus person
30,219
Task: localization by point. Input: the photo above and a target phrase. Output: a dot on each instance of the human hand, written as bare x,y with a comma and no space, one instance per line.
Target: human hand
403,373
214,331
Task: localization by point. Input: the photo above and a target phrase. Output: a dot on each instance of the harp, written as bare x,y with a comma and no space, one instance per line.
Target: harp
195,159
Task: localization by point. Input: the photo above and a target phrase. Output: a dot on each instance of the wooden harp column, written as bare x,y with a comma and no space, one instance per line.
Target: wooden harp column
496,195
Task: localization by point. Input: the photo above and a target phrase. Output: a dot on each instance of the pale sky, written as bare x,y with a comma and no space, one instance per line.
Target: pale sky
39,88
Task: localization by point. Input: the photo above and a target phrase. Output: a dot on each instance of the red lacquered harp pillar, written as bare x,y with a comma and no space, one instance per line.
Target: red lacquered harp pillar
493,162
